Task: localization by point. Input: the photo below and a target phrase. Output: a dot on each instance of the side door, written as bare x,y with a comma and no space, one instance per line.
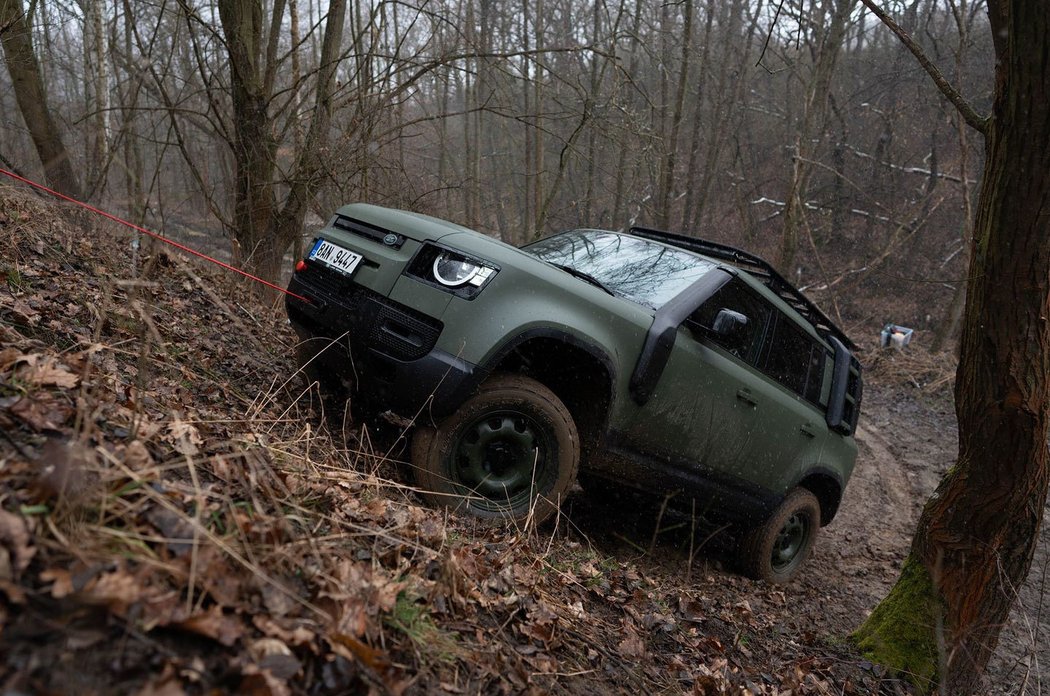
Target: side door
726,412
791,404
701,417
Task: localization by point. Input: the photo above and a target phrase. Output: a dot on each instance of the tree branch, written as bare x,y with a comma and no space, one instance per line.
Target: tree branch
975,120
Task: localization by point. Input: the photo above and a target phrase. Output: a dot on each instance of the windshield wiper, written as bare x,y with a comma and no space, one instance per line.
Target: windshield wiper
582,275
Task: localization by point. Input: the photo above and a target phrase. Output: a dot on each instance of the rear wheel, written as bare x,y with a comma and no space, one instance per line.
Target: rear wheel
509,451
776,550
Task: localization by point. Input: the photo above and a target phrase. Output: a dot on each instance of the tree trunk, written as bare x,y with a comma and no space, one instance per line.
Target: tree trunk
670,158
262,228
620,191
976,536
96,85
827,49
538,141
29,90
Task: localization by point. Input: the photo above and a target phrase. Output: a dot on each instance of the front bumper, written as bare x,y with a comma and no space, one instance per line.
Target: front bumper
384,349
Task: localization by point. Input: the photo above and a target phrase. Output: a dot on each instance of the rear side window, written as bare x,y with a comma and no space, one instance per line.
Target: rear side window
745,343
796,360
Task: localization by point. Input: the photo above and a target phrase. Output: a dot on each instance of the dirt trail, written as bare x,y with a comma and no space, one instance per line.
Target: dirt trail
907,440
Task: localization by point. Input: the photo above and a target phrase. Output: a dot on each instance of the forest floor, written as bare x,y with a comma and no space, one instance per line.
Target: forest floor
177,515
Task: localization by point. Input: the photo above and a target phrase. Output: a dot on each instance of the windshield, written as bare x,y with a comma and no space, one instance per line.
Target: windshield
647,272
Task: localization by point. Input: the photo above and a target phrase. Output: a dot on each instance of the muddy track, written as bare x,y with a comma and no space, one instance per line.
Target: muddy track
907,440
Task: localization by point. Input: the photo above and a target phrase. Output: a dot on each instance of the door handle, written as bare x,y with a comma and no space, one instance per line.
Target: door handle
744,395
808,430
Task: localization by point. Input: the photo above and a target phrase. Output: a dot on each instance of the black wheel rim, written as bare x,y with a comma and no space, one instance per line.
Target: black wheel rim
790,542
500,459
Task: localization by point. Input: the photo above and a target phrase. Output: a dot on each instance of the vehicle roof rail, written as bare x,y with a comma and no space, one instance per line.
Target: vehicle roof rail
757,267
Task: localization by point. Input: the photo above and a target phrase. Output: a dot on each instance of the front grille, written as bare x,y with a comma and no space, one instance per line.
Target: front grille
363,229
328,281
369,318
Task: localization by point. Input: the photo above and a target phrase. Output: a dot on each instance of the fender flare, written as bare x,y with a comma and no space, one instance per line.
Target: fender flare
516,341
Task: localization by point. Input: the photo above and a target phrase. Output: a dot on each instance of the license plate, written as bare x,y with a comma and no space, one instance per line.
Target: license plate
335,256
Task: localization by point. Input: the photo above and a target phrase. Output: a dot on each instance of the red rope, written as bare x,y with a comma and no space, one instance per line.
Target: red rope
143,230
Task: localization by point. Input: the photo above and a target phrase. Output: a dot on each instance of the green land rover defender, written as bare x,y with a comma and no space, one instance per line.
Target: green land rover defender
648,360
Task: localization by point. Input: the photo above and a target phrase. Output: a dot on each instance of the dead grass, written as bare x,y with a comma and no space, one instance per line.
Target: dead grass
913,366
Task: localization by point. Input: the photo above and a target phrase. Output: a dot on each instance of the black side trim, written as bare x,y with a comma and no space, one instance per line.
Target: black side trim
839,377
828,508
660,339
717,493
846,390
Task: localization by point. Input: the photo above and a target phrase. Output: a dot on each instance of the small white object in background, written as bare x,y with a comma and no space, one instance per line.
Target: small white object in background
896,336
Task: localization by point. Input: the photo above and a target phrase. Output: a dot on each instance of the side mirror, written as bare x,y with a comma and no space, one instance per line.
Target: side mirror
729,323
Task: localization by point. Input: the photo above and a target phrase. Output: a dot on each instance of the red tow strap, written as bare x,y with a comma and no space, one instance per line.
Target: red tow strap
144,231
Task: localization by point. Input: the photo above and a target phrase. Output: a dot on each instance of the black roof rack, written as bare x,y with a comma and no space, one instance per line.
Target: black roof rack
757,267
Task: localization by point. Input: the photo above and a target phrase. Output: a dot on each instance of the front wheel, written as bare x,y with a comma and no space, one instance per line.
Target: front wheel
510,451
776,550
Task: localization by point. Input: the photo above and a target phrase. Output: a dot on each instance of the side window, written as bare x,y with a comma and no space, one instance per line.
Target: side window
796,360
744,340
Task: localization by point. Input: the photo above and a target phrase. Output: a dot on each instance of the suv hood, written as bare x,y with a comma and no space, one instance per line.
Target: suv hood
416,226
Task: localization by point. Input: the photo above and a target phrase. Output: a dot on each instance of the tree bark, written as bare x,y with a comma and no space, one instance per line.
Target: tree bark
976,535
670,156
263,228
17,40
827,49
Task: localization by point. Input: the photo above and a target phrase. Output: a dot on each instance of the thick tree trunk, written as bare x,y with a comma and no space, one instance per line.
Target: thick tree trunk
262,228
976,536
22,64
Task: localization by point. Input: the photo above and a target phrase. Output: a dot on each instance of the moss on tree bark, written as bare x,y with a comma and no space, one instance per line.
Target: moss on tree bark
901,633
975,539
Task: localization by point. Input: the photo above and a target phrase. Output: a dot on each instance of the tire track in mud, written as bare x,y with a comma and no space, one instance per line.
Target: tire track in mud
906,442
859,555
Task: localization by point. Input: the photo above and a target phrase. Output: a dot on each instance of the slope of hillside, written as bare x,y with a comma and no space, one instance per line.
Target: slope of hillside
179,515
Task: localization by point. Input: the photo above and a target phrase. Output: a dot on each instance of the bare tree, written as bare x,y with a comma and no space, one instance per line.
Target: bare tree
262,227
17,39
827,43
977,533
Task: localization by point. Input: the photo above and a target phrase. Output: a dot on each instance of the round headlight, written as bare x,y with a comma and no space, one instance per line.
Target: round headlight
453,270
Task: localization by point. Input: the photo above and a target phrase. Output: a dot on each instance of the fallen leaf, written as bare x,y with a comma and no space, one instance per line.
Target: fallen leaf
15,548
136,456
118,588
185,437
214,624
260,682
49,373
632,646
275,657
9,356
176,529
371,658
294,636
164,686
22,313
61,579
40,411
